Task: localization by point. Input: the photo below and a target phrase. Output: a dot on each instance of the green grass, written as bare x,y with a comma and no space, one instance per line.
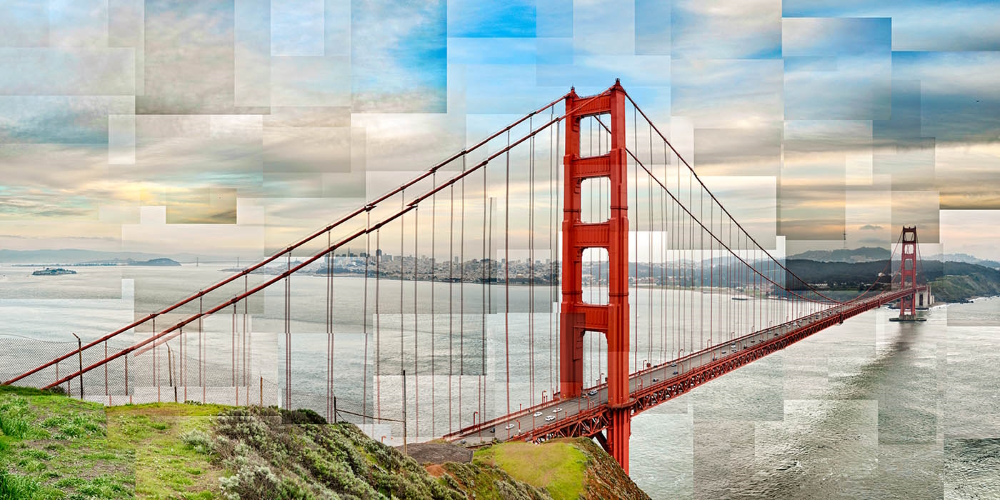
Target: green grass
54,447
557,466
16,487
60,448
27,391
166,466
14,415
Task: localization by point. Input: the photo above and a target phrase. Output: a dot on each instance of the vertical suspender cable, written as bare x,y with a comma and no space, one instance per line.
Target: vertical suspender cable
635,239
553,353
663,262
552,229
246,337
364,314
531,266
433,286
288,335
451,302
236,387
402,250
416,345
329,329
378,324
506,268
649,255
201,348
461,294
483,263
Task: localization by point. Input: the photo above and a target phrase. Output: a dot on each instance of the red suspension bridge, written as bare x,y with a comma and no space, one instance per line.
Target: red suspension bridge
460,304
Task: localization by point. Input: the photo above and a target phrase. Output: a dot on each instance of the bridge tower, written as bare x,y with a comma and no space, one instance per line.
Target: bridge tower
578,317
908,273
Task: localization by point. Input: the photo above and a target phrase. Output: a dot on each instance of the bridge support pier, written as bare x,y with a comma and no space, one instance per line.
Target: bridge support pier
578,317
619,431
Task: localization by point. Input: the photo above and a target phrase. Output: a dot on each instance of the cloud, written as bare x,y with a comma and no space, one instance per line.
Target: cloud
491,19
727,93
719,29
921,25
60,119
956,99
297,28
870,227
398,56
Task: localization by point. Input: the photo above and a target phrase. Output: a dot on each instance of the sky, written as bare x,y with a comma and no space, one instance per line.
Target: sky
232,127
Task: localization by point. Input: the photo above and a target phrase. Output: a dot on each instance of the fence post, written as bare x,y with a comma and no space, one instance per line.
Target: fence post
170,367
404,412
79,355
106,393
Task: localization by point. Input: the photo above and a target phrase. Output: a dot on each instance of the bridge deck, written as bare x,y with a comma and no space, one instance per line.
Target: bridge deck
586,415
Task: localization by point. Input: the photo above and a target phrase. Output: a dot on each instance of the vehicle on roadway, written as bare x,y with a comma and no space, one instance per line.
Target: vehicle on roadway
537,414
550,418
509,426
592,392
557,410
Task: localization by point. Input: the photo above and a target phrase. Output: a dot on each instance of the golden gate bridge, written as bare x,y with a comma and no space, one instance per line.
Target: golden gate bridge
513,340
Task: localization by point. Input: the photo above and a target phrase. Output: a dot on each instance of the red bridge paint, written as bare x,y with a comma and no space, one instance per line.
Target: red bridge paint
908,272
576,316
605,412
591,422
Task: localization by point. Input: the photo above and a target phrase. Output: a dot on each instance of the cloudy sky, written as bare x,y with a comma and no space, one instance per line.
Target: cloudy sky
243,124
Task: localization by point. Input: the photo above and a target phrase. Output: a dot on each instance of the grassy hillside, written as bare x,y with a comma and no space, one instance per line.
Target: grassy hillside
55,447
564,468
950,281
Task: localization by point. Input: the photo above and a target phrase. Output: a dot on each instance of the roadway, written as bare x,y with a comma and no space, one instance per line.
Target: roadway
523,423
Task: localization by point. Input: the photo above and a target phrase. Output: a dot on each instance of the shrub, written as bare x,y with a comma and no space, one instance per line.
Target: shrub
301,416
250,482
198,440
59,390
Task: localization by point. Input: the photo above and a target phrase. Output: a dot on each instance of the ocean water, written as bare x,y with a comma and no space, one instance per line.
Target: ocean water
868,409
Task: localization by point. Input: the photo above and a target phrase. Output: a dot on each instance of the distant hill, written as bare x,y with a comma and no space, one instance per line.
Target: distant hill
78,256
863,254
964,258
870,254
836,275
950,281
160,261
